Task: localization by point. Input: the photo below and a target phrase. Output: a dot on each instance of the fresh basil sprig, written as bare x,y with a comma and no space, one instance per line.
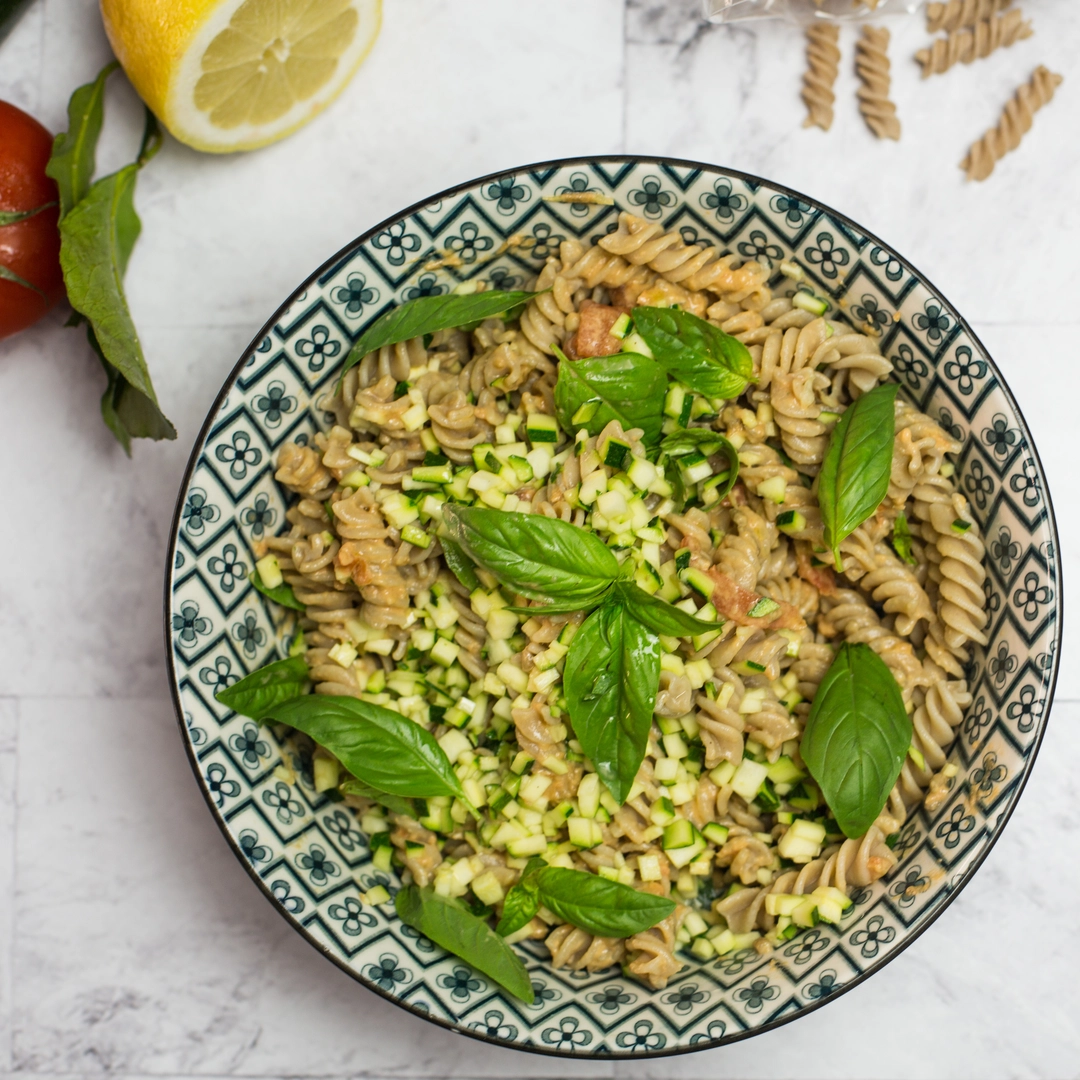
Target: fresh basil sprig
281,594
379,747
857,736
658,615
625,387
394,803
703,441
257,694
540,557
98,230
460,564
449,924
611,676
426,314
901,540
854,475
695,352
602,907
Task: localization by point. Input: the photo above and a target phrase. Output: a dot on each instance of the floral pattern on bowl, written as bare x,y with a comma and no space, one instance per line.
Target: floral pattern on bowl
308,855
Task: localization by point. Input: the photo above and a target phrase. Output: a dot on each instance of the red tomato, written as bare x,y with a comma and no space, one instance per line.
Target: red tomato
31,247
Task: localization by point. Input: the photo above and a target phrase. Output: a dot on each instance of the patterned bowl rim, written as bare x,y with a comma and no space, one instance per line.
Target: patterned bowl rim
918,929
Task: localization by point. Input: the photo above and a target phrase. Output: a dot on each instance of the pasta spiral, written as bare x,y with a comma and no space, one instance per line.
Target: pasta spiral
974,42
1014,124
872,66
822,67
954,14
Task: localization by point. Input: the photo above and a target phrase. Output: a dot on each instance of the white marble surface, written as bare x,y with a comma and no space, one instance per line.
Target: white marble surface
131,943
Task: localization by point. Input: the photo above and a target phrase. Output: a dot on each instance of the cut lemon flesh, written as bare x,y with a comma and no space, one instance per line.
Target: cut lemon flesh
237,74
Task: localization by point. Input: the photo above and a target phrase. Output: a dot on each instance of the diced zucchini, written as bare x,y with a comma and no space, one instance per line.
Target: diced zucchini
541,428
588,795
663,812
621,327
615,453
413,534
434,474
791,521
785,771
270,571
715,833
666,771
675,401
446,653
774,489
680,857
584,832
765,608
809,302
635,343
748,778
767,798
679,834
695,467
699,581
527,847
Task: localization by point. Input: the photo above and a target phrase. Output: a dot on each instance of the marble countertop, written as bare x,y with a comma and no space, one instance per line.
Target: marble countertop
131,942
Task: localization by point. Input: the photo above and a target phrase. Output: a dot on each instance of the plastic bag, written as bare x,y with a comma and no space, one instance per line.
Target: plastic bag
804,11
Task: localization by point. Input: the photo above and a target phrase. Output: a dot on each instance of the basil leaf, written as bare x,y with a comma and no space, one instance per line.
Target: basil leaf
602,907
459,563
521,902
71,164
626,387
611,676
695,352
281,594
448,923
394,803
541,558
426,314
384,749
556,607
854,475
258,693
857,736
97,235
901,540
659,615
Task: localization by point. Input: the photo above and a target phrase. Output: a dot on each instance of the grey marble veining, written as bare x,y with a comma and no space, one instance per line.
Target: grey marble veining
131,942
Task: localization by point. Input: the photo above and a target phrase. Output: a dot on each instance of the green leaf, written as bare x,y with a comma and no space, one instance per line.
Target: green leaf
127,413
384,749
901,540
427,314
460,564
695,352
13,217
259,693
706,442
611,676
72,162
857,736
626,387
660,616
10,10
447,923
602,907
521,902
541,558
394,803
854,475
17,279
282,594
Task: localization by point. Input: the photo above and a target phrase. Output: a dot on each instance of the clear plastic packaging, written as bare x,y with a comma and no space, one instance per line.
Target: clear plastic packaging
805,11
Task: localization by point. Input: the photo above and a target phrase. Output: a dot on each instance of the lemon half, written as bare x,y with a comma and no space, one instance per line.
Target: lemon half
227,75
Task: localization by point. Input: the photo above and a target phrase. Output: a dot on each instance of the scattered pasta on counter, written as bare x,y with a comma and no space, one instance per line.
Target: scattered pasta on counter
956,14
873,67
1014,124
822,67
974,43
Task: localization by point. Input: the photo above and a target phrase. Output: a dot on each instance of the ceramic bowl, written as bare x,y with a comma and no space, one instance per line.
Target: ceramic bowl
307,854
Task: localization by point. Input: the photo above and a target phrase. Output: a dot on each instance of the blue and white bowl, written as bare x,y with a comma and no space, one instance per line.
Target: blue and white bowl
308,855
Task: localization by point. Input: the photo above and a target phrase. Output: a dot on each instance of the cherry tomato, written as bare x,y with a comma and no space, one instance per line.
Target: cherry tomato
29,248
